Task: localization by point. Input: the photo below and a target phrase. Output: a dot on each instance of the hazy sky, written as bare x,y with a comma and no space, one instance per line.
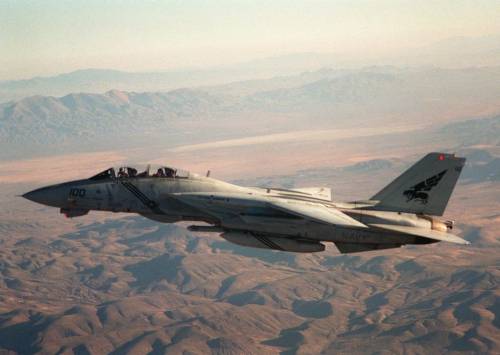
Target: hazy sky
49,37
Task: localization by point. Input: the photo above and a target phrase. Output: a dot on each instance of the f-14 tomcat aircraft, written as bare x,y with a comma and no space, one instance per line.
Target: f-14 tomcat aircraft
294,220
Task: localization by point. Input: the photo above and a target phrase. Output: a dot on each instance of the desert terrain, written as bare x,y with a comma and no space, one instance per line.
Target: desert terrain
122,284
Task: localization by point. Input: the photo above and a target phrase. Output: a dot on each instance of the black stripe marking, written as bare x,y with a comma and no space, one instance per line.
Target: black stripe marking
264,242
268,242
152,205
276,246
137,194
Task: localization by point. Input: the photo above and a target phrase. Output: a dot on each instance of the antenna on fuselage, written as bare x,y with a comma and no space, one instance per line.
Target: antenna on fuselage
208,173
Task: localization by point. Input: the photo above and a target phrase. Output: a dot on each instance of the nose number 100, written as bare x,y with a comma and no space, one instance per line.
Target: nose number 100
77,192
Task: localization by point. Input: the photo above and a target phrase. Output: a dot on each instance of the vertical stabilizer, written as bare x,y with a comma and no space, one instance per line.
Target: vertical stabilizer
424,188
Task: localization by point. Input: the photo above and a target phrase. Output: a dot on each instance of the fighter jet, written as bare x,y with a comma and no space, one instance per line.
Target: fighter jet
406,211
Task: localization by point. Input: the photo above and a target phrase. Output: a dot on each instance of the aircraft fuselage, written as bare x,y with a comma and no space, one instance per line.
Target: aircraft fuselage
293,220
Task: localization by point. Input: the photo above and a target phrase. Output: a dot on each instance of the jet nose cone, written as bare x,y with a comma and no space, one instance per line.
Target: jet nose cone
38,195
46,196
28,196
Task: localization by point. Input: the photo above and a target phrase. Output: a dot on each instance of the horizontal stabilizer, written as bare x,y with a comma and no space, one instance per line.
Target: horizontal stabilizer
316,212
421,232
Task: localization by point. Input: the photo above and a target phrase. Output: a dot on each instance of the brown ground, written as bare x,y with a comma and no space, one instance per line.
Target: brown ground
121,284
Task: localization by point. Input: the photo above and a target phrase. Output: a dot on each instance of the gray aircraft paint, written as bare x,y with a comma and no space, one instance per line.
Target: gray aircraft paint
287,220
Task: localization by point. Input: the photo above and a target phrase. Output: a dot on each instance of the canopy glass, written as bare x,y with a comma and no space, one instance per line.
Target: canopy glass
128,172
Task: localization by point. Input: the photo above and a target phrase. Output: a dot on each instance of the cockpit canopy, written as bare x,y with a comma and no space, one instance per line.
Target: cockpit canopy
127,172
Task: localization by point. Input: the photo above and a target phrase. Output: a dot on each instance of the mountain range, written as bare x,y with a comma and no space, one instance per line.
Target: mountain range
327,98
453,53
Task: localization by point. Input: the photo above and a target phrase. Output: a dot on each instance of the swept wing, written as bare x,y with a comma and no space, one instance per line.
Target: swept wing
316,212
224,205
